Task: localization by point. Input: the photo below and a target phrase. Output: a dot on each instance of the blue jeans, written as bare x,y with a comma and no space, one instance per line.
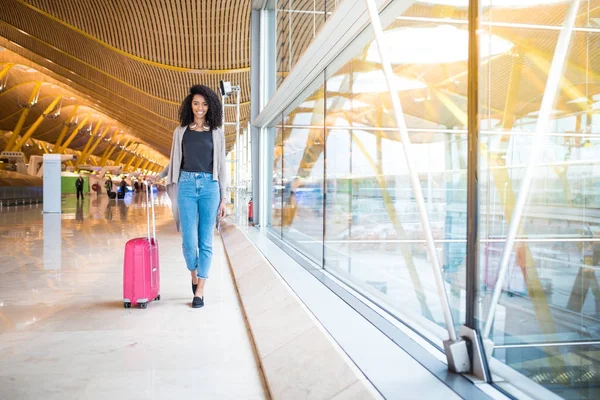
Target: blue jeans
198,198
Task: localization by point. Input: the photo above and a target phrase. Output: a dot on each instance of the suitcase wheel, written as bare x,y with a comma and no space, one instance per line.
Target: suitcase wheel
157,297
143,305
127,305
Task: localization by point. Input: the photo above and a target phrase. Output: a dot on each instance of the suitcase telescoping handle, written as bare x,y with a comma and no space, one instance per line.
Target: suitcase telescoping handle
150,202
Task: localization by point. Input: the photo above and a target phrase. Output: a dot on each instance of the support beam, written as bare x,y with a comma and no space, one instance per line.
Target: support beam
145,165
138,163
415,183
513,92
128,166
114,142
35,125
32,101
571,91
65,129
134,156
5,70
66,144
86,155
44,147
89,142
123,153
110,153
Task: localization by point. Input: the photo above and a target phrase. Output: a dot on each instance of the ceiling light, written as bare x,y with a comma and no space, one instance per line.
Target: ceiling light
442,44
495,3
372,82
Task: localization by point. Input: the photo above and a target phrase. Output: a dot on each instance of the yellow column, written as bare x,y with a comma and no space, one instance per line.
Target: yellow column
35,125
5,70
123,153
115,147
513,93
89,142
62,148
44,147
138,163
21,122
114,142
145,165
86,154
133,158
65,129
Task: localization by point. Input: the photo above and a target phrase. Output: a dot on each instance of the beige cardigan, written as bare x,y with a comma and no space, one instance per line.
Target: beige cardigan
171,171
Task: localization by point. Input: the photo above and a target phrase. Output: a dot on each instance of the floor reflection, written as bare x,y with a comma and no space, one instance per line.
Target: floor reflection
50,259
53,240
63,330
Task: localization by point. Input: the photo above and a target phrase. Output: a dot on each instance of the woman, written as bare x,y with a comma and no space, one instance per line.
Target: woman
197,181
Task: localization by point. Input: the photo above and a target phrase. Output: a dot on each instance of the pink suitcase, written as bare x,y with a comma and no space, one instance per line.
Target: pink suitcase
141,272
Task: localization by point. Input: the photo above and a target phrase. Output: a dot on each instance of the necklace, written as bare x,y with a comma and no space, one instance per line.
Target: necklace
194,127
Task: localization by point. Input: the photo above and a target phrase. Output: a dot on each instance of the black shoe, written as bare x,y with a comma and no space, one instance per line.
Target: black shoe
198,302
194,286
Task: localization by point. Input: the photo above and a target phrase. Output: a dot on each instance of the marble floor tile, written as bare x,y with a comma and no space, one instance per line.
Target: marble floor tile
64,332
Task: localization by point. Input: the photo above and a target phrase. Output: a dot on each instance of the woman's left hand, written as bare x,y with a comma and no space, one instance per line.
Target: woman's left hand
222,210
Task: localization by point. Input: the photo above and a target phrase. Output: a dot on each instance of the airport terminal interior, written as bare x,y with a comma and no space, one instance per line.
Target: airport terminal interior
413,199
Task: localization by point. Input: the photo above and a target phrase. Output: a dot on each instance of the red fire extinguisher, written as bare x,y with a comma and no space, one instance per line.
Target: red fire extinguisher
250,211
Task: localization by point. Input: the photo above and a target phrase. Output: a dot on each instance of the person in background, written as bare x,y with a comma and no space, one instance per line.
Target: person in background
123,188
79,187
109,186
197,181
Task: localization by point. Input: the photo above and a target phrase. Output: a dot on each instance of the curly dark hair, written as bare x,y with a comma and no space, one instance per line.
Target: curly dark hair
214,116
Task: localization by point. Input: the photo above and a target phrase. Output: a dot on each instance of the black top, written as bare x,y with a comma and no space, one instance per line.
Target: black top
197,151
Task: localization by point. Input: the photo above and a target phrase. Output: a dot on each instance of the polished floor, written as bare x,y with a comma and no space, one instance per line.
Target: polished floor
64,333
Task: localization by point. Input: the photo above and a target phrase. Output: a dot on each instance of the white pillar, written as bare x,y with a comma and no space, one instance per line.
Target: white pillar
52,191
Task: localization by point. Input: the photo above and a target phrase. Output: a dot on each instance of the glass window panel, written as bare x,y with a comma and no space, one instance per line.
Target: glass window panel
298,22
277,187
580,372
283,63
303,175
308,112
371,207
303,191
550,296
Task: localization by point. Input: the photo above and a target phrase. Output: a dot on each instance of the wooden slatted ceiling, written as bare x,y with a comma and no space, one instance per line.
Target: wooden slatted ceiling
137,60
172,32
